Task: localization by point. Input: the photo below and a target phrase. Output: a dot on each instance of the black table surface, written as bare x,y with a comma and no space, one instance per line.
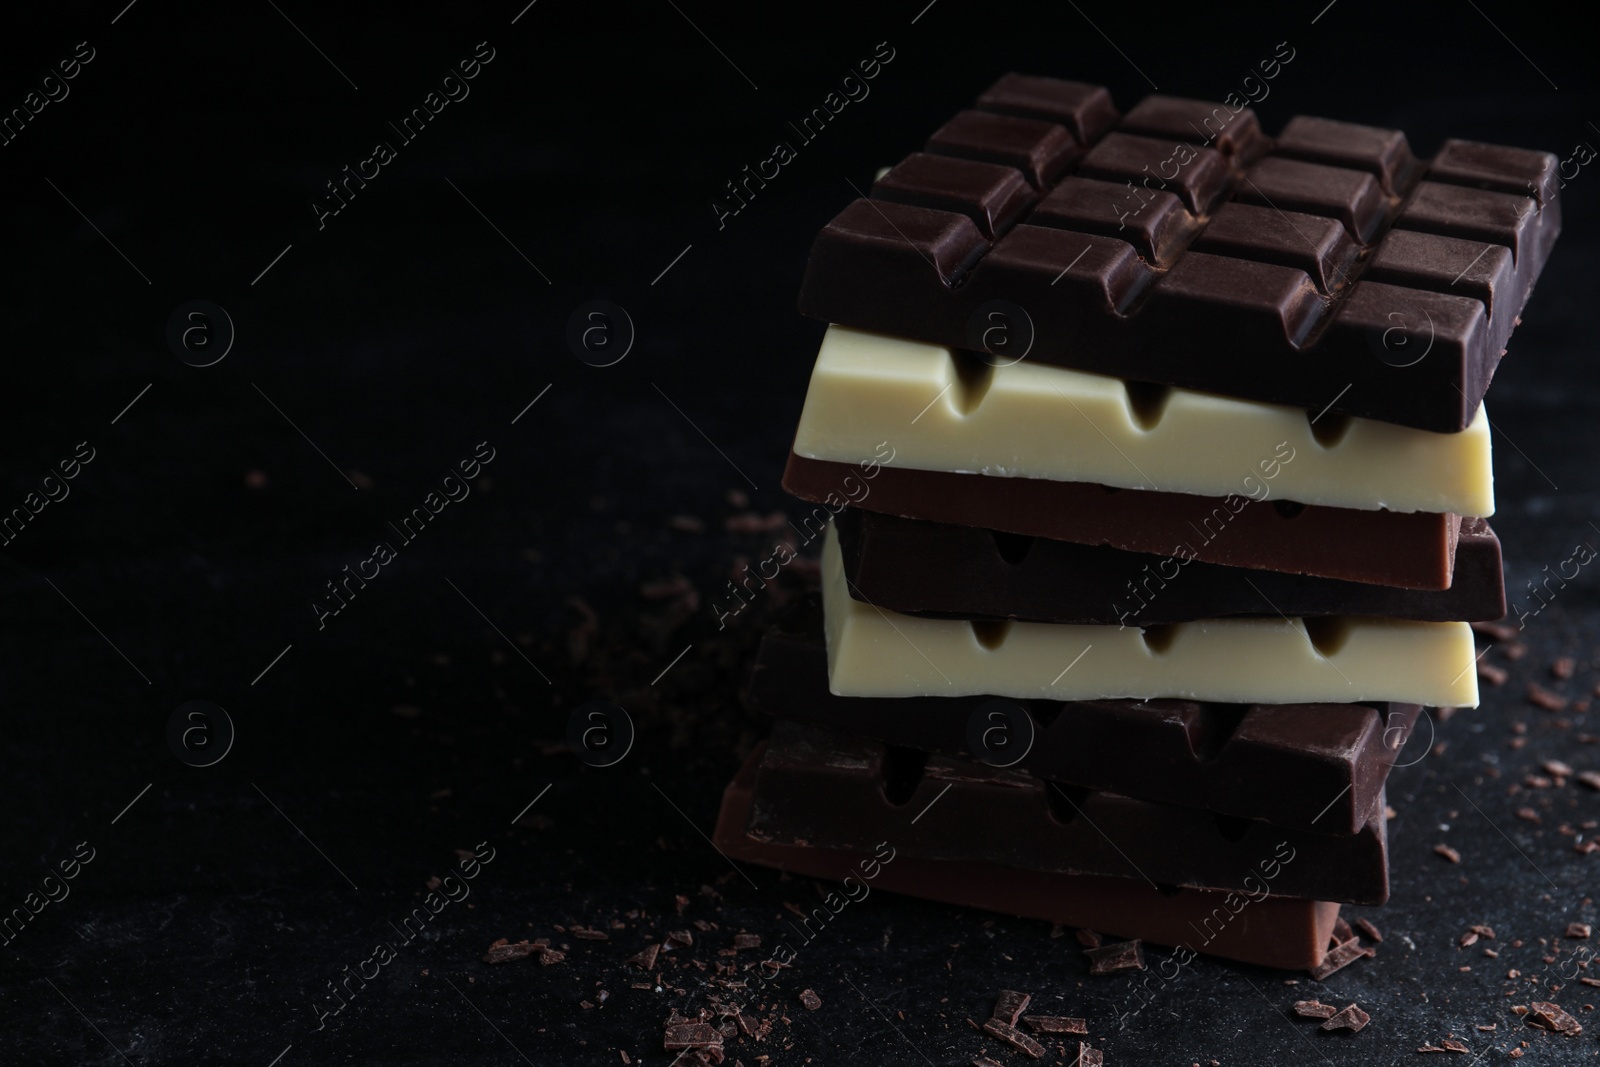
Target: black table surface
377,347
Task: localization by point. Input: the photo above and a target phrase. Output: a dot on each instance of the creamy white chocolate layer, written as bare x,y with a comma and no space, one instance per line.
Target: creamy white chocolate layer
1029,420
877,653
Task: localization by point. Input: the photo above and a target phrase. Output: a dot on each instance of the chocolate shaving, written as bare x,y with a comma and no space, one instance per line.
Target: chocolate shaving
809,998
1056,1024
1010,1005
1349,1018
1014,1037
1366,927
1541,697
743,940
1340,957
1485,931
1121,956
586,934
1469,938
1590,778
1314,1009
1492,674
502,951
984,1061
1448,853
1578,930
1548,1016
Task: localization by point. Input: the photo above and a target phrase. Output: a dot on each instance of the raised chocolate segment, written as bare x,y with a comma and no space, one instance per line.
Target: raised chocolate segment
941,569
1089,236
1315,767
1270,932
837,791
1412,550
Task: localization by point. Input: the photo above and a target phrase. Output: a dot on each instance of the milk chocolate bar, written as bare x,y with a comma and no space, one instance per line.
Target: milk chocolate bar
949,571
942,409
1316,767
1178,244
1271,932
840,791
1412,550
1249,660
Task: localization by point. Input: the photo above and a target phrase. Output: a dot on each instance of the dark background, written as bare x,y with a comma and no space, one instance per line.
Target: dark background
424,718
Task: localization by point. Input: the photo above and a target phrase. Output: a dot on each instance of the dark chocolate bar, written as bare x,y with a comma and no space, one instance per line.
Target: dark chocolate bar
1326,269
1412,550
1270,932
836,790
1314,767
930,568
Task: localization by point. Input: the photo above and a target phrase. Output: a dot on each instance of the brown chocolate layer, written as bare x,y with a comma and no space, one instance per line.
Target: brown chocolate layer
1411,550
941,569
1179,244
836,790
1314,767
1274,932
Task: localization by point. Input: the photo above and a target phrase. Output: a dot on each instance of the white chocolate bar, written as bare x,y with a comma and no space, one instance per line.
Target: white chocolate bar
1029,420
877,653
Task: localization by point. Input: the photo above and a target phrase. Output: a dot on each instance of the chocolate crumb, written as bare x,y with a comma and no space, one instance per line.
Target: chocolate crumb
1349,1018
1366,927
1452,1045
1578,930
1492,674
1014,1037
1056,1024
744,940
1010,1004
809,998
1488,1028
1590,778
1541,697
1089,939
984,1061
1590,981
1495,631
1121,956
1548,1016
1528,815
1448,853
1341,930
502,951
1563,667
676,938
586,934
1314,1009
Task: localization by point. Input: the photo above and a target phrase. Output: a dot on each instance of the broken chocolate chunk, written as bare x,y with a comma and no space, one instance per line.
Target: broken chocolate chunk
1089,939
1056,1024
1014,1037
1121,956
1349,1018
1089,1057
1339,957
692,1035
1548,1016
809,998
645,958
1010,1005
502,951
1578,930
1366,927
1314,1009
743,940
1448,853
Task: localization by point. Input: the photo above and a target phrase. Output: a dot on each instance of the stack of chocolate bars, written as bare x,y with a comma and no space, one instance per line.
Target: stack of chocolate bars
1153,464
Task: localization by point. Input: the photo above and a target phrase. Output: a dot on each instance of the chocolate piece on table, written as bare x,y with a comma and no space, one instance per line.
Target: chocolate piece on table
1056,1024
949,571
1183,246
944,409
1410,550
1109,959
1341,956
1252,660
1280,763
1282,932
840,791
1010,1005
1013,1037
